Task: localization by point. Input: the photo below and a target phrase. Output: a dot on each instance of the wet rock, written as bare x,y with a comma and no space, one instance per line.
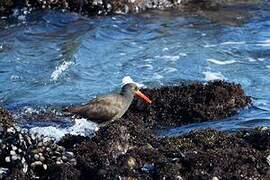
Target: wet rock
70,141
184,104
258,138
131,163
5,7
5,118
198,155
101,7
16,174
26,156
3,172
64,171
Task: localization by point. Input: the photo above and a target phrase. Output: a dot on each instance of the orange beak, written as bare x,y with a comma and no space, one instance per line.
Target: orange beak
144,97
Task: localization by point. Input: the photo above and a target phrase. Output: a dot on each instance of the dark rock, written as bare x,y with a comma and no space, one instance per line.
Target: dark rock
5,118
97,7
217,154
118,151
63,172
26,156
111,142
70,141
197,102
16,174
258,138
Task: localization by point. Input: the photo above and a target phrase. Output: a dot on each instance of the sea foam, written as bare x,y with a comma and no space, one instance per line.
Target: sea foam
81,127
214,61
210,76
60,69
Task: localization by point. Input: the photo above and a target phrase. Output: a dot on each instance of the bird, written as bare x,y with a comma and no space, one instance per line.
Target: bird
111,106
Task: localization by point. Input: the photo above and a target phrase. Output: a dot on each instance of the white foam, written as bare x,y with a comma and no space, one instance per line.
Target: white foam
210,76
30,110
165,49
264,43
60,69
225,43
182,54
81,127
221,62
168,57
148,66
170,70
233,43
157,76
268,66
128,79
209,45
250,59
261,59
14,77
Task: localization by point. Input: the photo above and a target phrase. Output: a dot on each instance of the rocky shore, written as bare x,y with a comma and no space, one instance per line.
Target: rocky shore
103,7
130,149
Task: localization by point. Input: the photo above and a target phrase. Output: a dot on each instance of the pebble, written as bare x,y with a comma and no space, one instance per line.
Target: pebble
12,153
268,159
73,161
23,160
11,130
69,154
42,158
64,158
131,162
36,156
45,166
7,159
36,163
59,162
25,168
15,157
14,147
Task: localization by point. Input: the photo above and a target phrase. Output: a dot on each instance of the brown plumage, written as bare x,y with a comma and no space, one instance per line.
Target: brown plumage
111,106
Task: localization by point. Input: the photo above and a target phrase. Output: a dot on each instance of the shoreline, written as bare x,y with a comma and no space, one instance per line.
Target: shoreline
130,149
108,7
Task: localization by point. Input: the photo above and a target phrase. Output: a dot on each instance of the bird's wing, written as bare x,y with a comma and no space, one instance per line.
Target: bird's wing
101,108
105,107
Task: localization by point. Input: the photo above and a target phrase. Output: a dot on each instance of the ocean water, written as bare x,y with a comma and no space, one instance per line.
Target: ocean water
53,59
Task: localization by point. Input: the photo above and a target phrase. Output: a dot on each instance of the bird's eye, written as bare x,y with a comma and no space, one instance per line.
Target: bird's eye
136,88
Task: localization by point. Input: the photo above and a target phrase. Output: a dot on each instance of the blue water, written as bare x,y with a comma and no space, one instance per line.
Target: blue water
57,58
